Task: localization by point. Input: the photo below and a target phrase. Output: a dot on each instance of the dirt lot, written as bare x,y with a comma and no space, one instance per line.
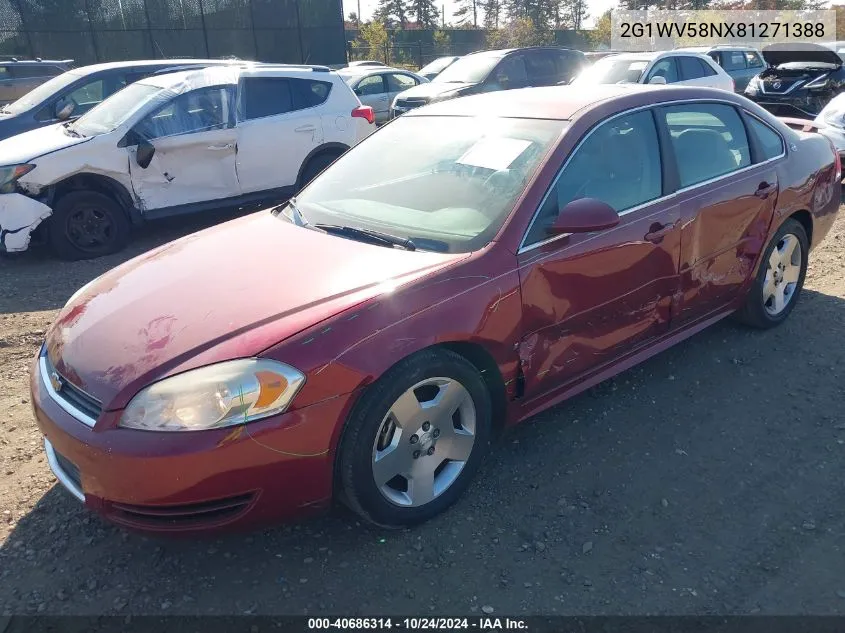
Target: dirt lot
708,480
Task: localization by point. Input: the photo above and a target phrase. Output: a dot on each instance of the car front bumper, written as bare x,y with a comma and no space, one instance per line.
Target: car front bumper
255,474
19,217
802,105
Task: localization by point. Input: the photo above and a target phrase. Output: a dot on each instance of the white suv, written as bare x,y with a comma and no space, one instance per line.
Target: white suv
660,67
227,137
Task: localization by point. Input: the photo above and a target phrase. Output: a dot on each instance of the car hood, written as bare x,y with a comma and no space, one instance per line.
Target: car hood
432,89
227,292
778,54
30,145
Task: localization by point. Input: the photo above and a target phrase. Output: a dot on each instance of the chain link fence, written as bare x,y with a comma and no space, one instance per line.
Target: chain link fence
90,31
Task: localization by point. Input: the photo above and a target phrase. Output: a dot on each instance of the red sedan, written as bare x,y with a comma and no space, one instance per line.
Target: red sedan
469,265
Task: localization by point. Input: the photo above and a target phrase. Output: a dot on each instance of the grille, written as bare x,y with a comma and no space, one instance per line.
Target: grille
784,85
71,394
184,516
403,105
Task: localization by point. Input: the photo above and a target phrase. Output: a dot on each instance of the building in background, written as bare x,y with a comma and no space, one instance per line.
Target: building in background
89,31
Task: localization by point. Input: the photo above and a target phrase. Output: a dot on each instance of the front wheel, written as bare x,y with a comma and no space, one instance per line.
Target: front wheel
779,280
87,224
415,440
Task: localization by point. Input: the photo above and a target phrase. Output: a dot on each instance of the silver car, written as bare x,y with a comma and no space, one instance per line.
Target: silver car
377,86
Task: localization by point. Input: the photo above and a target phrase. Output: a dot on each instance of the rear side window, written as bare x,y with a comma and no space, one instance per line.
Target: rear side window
618,163
753,60
706,68
397,82
308,93
270,96
708,140
664,68
29,72
770,141
691,68
733,60
541,69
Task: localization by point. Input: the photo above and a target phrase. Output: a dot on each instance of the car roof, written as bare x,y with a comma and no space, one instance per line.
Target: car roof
229,74
363,71
566,102
141,63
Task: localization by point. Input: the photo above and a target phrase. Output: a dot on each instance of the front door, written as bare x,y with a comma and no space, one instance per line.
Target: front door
590,297
195,147
374,91
728,190
279,125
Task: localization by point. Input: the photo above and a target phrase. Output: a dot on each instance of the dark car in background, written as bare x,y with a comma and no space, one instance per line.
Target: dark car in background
73,93
19,76
434,68
490,71
800,80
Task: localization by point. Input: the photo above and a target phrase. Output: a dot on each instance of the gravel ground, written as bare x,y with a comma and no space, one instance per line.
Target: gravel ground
707,480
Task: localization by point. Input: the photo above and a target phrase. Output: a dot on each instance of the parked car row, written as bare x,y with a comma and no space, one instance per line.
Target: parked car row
472,263
221,135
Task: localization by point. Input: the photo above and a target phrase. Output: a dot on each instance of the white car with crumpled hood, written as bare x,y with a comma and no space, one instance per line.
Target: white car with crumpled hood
224,137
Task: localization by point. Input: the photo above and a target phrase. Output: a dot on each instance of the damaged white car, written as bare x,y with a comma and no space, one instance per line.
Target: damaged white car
226,137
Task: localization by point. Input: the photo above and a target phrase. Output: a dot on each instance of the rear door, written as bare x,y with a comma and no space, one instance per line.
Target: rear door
735,64
279,125
373,91
728,187
194,138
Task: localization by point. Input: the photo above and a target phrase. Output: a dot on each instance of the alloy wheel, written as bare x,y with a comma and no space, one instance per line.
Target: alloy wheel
782,274
424,442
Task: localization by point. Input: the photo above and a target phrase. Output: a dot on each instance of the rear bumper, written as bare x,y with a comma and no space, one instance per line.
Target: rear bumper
262,473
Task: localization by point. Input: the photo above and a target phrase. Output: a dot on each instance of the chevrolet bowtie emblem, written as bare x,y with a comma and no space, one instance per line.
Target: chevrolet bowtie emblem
56,381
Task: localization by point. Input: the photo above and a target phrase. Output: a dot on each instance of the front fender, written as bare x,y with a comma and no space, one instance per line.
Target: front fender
19,217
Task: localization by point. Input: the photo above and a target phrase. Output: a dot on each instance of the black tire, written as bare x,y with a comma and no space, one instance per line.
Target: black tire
754,312
316,165
357,485
85,225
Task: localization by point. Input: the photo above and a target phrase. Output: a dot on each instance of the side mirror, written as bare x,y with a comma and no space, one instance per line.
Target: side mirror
63,110
584,216
658,80
144,154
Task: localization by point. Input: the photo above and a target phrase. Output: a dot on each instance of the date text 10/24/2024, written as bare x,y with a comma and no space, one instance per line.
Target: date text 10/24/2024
422,623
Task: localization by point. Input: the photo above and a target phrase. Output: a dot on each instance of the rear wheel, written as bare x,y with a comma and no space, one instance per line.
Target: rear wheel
415,440
316,165
779,280
87,224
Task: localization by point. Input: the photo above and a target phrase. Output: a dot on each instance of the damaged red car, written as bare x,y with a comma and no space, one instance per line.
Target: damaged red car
469,265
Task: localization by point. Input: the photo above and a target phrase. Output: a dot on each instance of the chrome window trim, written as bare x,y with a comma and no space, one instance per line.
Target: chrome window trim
523,248
86,419
59,472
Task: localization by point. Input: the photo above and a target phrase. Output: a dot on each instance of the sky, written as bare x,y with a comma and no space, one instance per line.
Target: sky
597,7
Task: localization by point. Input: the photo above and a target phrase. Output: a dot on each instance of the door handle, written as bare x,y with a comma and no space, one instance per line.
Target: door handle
765,190
224,146
659,231
305,128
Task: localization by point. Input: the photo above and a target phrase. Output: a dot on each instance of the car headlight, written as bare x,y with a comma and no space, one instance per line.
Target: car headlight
9,176
819,83
216,396
753,85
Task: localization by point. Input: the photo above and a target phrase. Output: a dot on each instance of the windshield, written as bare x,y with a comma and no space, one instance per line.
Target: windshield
41,93
472,69
612,70
446,183
436,66
116,110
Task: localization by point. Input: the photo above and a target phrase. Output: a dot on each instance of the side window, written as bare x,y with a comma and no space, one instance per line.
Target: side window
87,96
690,68
707,69
264,96
541,69
733,60
372,85
41,70
708,139
753,60
195,111
308,93
4,73
568,67
664,68
770,141
397,82
618,163
510,73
